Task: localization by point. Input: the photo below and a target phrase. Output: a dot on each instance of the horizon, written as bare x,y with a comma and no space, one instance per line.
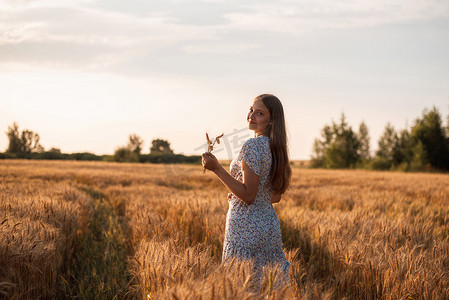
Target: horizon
231,142
85,74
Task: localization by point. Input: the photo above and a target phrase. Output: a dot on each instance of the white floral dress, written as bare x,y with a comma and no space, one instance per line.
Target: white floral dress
252,231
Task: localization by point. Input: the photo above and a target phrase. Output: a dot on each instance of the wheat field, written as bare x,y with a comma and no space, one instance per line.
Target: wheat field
101,230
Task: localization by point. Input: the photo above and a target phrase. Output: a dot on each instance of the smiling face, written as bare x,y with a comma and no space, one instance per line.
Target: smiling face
259,118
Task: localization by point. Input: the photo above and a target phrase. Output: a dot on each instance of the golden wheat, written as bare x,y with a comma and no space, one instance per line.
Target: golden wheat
348,234
39,220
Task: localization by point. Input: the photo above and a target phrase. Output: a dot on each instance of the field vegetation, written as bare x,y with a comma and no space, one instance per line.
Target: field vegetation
71,229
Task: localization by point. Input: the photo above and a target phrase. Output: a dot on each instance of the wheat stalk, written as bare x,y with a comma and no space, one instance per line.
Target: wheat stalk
210,144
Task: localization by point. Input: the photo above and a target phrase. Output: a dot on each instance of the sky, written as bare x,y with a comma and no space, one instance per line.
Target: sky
85,74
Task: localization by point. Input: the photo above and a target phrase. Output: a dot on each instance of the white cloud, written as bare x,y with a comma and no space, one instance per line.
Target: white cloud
13,33
19,4
77,33
219,48
88,26
297,17
107,36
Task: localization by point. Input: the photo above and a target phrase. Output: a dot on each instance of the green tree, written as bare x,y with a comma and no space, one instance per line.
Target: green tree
447,126
418,160
388,143
135,143
123,154
317,157
403,154
339,146
30,142
159,146
364,140
15,143
447,130
430,132
24,142
54,150
319,147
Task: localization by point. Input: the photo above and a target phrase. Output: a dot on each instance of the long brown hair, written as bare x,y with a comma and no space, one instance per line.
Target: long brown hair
281,172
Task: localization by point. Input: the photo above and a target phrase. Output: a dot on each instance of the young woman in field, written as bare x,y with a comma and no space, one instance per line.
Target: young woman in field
259,176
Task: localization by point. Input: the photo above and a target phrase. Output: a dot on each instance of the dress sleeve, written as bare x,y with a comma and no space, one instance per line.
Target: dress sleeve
251,156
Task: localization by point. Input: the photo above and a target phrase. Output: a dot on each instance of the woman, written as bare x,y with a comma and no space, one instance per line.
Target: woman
259,176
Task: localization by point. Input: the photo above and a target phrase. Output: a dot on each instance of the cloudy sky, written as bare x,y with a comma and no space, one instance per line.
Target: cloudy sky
85,74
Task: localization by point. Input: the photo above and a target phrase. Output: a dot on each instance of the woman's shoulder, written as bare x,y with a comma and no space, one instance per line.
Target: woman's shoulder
257,142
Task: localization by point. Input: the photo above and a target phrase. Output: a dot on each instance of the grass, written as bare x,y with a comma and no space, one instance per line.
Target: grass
117,231
99,266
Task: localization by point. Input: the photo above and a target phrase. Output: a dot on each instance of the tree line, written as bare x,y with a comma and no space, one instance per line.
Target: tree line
424,146
26,144
160,152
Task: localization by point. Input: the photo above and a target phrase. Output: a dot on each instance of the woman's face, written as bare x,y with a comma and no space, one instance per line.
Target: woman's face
258,118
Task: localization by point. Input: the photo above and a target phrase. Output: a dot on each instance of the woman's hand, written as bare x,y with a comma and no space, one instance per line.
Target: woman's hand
210,162
246,190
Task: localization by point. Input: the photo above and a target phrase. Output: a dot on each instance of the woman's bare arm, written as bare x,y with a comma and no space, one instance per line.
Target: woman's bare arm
246,190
